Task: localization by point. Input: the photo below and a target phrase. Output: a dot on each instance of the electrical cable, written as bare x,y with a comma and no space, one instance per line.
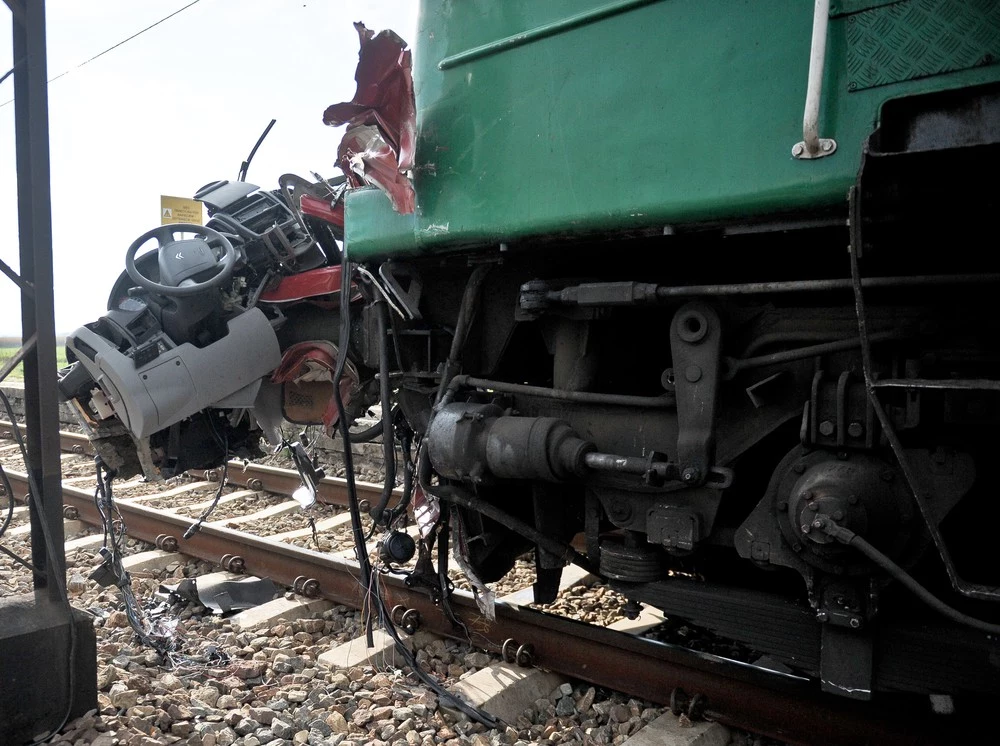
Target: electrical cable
359,540
52,575
406,446
444,582
112,47
113,549
196,526
8,490
466,312
223,441
345,432
848,537
388,435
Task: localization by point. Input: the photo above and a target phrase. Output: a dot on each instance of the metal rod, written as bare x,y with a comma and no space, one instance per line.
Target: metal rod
617,294
803,286
734,365
583,397
966,384
16,278
18,356
619,464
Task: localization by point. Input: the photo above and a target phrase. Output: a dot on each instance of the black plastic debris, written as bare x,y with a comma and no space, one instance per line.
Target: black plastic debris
222,595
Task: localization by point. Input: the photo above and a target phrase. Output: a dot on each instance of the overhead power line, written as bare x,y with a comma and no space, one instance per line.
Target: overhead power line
111,48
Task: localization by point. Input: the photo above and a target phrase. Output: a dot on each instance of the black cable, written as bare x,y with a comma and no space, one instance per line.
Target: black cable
444,582
52,574
223,441
9,492
388,434
466,312
848,537
246,164
458,496
21,561
406,446
345,432
360,548
196,526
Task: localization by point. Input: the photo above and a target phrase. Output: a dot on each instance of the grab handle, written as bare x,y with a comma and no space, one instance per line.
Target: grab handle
812,145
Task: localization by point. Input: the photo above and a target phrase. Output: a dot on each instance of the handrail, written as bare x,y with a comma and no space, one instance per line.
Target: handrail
812,145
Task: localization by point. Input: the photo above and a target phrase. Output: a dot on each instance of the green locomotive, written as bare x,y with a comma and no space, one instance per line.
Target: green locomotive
669,196
699,295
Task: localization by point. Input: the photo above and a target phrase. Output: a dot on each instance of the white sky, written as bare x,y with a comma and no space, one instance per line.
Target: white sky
170,111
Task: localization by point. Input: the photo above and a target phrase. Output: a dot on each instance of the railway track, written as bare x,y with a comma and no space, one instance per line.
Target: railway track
780,706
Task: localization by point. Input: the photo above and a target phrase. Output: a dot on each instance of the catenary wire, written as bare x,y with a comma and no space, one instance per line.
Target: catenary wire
109,49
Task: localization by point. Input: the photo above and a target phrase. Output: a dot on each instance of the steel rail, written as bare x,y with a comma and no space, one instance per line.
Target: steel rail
330,490
776,705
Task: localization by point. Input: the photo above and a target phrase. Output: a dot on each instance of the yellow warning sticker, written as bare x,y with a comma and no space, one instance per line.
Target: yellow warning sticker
180,210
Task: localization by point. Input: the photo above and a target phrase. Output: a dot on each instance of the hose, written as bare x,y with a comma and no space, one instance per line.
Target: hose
848,537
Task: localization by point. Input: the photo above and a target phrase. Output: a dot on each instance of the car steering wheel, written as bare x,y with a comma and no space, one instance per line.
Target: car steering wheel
164,236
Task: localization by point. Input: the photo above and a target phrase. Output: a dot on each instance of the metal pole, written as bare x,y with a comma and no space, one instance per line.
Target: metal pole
41,401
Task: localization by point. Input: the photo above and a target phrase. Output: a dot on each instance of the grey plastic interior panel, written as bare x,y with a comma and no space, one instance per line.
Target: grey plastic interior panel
221,195
184,380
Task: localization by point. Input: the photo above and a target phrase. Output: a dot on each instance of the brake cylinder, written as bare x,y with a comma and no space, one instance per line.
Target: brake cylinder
474,441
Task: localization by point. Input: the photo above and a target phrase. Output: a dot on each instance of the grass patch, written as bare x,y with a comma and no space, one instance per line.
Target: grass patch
8,348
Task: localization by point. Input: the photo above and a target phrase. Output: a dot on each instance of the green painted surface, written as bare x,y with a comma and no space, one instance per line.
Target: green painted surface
672,112
919,38
369,209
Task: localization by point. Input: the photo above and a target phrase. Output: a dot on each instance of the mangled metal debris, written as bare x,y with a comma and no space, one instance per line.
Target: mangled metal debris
379,143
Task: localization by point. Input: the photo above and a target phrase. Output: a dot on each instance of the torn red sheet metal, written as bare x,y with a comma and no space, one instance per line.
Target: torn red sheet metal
369,161
378,146
322,209
384,96
314,283
307,362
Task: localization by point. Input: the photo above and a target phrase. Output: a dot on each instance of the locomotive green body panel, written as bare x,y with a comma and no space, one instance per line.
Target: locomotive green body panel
555,117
